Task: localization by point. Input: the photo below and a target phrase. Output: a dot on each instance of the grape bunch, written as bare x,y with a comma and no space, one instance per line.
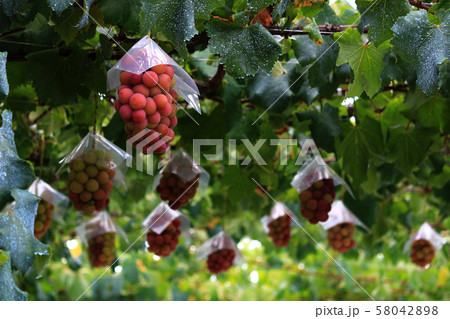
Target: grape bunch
280,230
422,252
90,181
316,200
175,190
147,101
220,260
340,237
101,249
43,219
166,242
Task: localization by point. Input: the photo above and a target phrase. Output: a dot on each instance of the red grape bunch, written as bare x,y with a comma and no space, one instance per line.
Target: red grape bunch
422,252
101,249
43,219
165,243
340,237
280,230
221,260
90,181
316,201
147,101
175,190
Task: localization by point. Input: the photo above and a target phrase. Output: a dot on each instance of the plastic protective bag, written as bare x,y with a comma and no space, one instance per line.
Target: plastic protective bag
341,214
162,216
311,172
96,141
163,227
146,54
426,232
98,225
182,165
278,210
218,242
46,192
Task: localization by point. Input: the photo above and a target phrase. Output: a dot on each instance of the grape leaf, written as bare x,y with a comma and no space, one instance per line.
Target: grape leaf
444,79
9,290
66,76
431,113
356,147
4,86
380,16
409,147
366,61
270,91
17,231
59,5
122,12
424,45
243,49
324,126
280,9
84,21
10,7
14,172
176,19
258,5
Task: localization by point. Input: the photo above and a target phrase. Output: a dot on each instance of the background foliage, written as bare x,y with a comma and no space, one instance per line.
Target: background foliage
374,97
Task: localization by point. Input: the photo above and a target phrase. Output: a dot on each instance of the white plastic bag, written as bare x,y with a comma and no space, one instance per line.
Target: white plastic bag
96,141
98,225
146,54
46,192
164,226
341,214
425,232
311,171
278,210
182,165
219,241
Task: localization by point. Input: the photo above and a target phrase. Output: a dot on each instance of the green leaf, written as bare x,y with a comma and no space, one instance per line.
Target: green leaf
324,126
270,91
123,12
14,172
258,5
409,146
243,49
59,5
366,61
84,21
66,22
22,99
65,76
424,45
17,231
314,33
4,86
41,262
280,9
176,19
380,16
9,290
10,7
357,146
431,113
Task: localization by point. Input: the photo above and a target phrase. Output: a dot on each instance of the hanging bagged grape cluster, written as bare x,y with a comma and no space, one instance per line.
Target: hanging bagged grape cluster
175,190
43,219
147,101
221,260
340,237
101,249
316,201
422,252
165,243
90,181
280,230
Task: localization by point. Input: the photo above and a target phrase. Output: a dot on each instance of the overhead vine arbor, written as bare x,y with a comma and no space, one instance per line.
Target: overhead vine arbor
370,85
